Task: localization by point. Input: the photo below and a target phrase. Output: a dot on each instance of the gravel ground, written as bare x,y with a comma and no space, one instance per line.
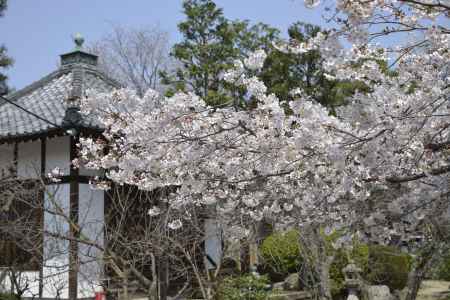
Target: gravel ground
434,290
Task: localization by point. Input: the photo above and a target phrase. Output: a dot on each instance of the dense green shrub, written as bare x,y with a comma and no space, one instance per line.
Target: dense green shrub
381,265
388,266
281,253
443,268
9,296
245,287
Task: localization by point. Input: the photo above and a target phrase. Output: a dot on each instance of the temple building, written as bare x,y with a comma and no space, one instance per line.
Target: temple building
39,126
45,225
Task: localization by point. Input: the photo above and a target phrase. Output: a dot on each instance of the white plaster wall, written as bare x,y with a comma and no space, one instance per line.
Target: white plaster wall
213,242
29,160
57,196
29,166
58,154
56,250
30,280
55,283
6,159
91,221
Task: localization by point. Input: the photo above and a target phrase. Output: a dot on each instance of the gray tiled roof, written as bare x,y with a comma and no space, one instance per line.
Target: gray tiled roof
48,99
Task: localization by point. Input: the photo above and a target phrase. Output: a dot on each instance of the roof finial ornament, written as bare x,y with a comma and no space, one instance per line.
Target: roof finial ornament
78,40
78,55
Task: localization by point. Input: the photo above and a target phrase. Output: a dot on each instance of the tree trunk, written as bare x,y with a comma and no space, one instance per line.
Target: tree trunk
414,280
124,294
312,245
153,289
417,274
163,267
324,286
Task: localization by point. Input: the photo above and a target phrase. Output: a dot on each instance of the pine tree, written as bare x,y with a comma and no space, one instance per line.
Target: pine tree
283,72
5,60
210,45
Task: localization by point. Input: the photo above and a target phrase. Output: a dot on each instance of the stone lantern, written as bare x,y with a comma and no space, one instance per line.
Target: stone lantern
352,275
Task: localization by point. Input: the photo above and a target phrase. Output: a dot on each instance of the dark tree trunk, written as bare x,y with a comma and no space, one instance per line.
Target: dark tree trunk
163,277
319,262
418,272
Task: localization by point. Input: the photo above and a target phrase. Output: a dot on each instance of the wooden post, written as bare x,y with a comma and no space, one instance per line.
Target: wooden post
73,245
42,197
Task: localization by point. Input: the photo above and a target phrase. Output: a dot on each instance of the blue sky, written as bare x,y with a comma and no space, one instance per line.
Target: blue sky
36,32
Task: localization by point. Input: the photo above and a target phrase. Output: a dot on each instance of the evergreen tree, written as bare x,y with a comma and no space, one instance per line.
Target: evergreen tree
3,5
210,45
5,60
283,72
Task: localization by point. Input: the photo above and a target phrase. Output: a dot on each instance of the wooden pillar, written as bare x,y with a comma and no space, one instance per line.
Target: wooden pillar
42,200
74,229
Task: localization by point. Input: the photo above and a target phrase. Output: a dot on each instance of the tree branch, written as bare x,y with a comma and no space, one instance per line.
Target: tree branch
434,172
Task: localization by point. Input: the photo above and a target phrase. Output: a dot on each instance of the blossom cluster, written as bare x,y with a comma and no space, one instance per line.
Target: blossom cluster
379,167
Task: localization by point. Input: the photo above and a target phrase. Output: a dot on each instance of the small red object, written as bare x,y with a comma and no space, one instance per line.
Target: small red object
100,296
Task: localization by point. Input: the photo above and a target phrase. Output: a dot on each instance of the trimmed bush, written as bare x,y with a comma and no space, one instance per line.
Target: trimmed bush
381,265
9,296
246,287
281,254
388,266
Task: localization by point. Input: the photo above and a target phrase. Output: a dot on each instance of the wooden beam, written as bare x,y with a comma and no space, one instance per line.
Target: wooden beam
42,202
68,179
50,133
74,232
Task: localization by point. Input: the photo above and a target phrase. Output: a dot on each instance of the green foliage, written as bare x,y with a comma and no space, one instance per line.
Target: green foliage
209,47
360,256
5,60
281,253
9,296
284,72
211,43
381,265
3,5
246,287
443,268
388,266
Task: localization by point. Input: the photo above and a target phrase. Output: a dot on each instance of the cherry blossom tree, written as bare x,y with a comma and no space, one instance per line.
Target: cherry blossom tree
378,170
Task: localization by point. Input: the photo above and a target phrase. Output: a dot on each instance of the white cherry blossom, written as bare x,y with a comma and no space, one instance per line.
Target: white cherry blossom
381,163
